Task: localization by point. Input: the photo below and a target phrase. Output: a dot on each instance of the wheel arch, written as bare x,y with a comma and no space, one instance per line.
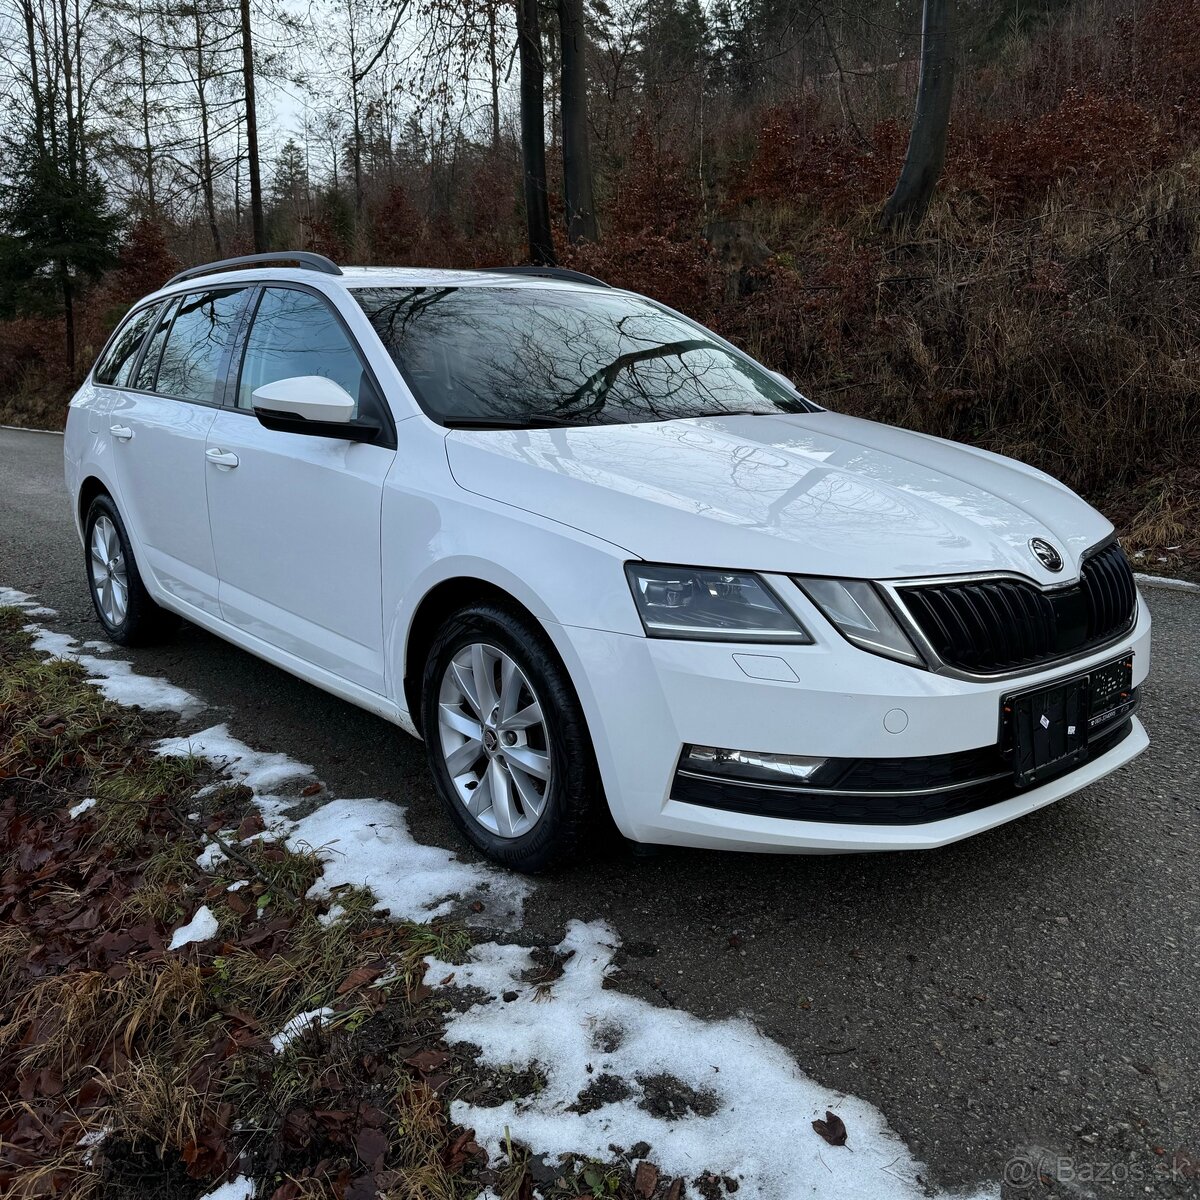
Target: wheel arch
91,487
435,605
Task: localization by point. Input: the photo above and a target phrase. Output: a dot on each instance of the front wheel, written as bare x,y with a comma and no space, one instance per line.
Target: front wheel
507,740
129,616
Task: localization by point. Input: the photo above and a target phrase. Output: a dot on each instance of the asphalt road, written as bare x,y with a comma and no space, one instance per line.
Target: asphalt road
1034,989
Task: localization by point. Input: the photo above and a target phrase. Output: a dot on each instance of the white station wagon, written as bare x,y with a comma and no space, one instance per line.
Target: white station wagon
611,569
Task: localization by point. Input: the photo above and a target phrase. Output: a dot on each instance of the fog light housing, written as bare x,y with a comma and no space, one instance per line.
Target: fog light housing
751,765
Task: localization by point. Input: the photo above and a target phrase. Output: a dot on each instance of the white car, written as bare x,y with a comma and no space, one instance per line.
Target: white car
610,568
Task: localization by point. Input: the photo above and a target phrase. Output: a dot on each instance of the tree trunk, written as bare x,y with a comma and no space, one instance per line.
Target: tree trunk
356,111
81,100
65,65
147,144
206,164
931,121
356,145
50,82
577,155
533,133
494,70
68,295
252,166
39,123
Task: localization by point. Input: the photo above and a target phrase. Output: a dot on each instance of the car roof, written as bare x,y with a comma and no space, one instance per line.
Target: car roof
363,277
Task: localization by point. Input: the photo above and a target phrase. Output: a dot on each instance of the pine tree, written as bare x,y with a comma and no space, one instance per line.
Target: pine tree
56,230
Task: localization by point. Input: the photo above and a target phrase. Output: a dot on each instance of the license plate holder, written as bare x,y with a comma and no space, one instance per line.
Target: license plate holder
1046,729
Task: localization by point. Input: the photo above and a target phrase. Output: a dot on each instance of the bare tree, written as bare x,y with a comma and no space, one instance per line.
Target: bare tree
252,161
144,110
493,73
931,121
207,168
533,132
577,157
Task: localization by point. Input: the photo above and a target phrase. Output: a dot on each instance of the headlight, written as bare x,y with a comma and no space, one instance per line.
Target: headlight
859,612
718,606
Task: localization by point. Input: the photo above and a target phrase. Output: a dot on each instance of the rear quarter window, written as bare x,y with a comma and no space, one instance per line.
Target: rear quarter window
116,363
148,368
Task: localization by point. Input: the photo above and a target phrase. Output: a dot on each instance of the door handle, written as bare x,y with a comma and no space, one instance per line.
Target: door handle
121,432
221,458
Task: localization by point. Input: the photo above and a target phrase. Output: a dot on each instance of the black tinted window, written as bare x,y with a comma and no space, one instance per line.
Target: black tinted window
117,362
148,367
580,357
199,338
295,333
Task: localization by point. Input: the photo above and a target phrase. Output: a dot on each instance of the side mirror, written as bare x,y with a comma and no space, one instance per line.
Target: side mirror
311,404
312,397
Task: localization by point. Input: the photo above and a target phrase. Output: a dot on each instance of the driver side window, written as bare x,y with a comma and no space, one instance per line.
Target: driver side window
296,333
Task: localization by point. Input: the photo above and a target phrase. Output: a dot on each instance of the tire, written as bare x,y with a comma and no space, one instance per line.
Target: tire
545,821
111,571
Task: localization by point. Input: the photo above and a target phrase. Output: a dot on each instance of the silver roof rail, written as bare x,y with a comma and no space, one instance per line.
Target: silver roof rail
549,273
299,258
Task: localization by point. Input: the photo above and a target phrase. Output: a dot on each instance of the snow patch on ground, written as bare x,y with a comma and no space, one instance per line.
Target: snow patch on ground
91,1140
211,857
11,598
263,772
200,928
116,677
298,1024
760,1105
756,1105
240,1188
361,842
367,842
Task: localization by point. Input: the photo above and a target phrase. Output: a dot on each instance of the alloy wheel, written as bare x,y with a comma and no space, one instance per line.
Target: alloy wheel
110,578
495,740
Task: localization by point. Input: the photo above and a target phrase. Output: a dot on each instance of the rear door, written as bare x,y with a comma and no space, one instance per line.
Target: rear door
159,425
295,518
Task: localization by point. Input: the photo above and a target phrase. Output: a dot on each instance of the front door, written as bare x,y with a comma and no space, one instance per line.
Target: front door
295,518
158,425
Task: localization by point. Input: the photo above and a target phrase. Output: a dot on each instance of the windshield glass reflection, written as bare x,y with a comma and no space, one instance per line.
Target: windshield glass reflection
529,356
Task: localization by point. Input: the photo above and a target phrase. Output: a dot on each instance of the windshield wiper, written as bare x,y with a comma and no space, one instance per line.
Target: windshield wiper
533,421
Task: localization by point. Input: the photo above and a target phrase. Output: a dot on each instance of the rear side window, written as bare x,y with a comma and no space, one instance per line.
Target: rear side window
194,356
148,367
296,333
116,364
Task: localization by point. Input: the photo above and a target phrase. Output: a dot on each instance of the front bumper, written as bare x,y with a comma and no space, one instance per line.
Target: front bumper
647,698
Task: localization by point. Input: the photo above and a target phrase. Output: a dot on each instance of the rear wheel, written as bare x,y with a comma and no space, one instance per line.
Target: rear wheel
122,603
507,740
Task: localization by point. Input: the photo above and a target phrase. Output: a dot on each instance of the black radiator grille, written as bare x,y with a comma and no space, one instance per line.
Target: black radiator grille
994,625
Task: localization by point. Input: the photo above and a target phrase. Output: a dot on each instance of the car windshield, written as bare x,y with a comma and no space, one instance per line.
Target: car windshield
525,357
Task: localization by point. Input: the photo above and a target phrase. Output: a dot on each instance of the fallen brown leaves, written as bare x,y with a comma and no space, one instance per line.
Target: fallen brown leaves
832,1129
166,1058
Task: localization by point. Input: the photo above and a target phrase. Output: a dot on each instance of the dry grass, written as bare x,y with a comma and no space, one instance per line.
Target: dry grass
163,1051
35,404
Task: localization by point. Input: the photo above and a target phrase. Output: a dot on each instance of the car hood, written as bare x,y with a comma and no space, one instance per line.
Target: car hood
812,493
